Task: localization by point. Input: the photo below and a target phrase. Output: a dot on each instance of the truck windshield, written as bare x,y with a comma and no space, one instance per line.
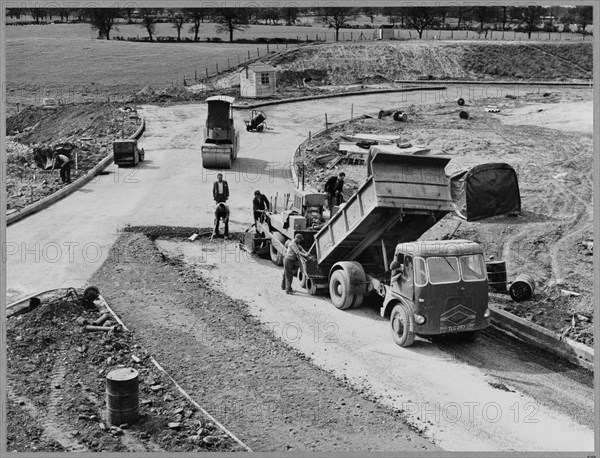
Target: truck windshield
472,267
443,270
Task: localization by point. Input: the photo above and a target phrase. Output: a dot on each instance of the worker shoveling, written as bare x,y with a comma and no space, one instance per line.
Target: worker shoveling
369,246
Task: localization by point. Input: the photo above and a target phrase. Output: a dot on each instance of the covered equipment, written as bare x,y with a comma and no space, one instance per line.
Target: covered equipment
482,189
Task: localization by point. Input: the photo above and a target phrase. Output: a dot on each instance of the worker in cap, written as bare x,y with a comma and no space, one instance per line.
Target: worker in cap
294,251
260,204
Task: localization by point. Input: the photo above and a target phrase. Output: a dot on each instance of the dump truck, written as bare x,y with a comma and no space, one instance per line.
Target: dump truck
127,152
369,246
221,141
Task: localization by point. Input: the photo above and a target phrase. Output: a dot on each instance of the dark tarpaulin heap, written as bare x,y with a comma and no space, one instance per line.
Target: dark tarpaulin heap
480,190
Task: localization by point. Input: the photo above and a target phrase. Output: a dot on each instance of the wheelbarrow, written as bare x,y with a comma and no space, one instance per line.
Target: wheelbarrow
256,123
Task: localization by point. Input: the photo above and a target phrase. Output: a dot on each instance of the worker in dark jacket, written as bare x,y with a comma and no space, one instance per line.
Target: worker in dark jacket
334,188
220,189
221,213
63,161
294,251
260,203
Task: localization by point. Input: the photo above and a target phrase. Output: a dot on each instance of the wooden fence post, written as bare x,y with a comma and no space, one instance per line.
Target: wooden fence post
217,64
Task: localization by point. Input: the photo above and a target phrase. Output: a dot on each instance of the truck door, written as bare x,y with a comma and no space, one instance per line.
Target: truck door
407,278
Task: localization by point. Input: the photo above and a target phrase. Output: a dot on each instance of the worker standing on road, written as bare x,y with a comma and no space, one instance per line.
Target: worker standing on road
221,213
260,203
334,188
294,250
63,161
220,189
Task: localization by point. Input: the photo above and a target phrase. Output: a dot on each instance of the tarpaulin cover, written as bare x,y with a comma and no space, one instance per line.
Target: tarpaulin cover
480,190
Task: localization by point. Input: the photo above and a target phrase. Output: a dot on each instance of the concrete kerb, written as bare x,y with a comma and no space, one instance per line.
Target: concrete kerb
60,194
337,94
543,338
21,307
531,333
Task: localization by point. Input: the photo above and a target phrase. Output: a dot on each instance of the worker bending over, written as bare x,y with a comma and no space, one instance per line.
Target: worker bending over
221,213
294,251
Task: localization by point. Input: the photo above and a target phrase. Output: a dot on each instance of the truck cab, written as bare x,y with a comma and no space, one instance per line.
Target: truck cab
127,152
437,287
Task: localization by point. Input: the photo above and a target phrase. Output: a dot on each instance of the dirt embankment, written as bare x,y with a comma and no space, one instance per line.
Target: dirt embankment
57,377
350,63
552,238
91,128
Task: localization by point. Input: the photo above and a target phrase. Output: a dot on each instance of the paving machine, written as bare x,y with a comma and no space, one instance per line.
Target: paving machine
256,123
221,141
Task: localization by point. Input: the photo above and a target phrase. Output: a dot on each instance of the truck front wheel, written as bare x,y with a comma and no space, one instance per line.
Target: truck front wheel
402,324
340,292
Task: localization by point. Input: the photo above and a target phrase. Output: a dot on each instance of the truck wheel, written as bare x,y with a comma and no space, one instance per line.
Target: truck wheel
402,321
339,291
276,256
142,156
470,336
260,128
301,278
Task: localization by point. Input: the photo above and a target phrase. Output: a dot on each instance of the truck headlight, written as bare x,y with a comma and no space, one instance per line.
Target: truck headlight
419,319
486,314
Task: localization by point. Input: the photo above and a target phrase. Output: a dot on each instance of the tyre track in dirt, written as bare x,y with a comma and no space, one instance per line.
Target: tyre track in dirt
54,427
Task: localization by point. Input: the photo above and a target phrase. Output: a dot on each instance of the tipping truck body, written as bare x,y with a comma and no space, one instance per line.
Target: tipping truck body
221,140
365,248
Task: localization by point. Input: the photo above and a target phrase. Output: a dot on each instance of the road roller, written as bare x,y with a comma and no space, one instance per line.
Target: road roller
221,141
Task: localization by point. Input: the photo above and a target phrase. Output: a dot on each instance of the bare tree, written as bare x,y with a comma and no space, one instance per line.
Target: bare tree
149,18
583,16
178,18
394,15
336,18
37,13
230,20
103,20
421,18
196,17
527,15
290,15
370,12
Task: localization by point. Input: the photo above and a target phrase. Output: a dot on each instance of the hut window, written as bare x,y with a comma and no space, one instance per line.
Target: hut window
264,78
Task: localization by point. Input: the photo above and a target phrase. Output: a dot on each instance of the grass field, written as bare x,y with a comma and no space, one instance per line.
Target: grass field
68,61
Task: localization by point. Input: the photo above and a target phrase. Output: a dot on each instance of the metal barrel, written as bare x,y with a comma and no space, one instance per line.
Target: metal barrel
122,396
496,272
522,288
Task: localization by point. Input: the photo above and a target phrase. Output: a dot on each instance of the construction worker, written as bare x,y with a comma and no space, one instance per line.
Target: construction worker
63,161
334,188
260,204
220,189
294,250
221,213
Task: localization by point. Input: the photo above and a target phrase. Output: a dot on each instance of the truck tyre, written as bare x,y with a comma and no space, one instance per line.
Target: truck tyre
470,336
340,292
402,323
260,128
301,278
142,155
276,256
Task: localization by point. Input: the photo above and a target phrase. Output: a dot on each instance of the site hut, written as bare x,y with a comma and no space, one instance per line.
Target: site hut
385,32
257,81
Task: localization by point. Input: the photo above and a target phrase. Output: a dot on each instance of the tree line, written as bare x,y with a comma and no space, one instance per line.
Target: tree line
230,20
